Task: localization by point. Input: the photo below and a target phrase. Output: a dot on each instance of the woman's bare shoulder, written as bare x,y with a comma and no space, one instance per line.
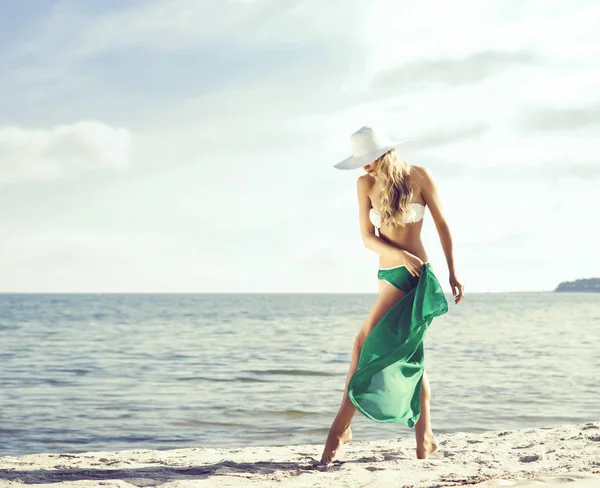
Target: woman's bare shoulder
420,175
365,181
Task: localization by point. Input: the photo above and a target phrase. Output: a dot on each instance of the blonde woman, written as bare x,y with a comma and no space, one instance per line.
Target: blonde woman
387,380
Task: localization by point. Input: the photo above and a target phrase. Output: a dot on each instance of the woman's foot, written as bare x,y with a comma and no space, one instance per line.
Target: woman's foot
333,445
427,446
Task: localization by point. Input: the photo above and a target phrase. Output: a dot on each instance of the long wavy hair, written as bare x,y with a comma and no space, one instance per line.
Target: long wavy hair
395,194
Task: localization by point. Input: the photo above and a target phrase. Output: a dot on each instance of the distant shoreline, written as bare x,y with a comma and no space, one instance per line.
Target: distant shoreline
585,285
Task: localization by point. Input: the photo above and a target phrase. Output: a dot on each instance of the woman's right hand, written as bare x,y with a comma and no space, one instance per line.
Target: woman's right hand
413,263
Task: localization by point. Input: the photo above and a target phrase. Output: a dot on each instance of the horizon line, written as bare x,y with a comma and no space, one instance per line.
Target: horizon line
256,292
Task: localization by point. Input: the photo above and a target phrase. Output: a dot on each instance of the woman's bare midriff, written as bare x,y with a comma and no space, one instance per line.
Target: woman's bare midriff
407,238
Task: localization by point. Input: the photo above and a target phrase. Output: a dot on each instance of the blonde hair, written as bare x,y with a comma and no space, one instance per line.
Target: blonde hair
395,194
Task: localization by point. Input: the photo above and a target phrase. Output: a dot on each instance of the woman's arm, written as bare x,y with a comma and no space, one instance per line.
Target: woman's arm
432,199
367,231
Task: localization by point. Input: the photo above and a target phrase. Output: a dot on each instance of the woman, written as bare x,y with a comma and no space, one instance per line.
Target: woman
387,381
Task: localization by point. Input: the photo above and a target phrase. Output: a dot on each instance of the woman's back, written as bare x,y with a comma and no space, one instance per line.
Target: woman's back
407,236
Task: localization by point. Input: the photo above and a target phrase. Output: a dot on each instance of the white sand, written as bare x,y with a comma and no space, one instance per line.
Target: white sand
566,455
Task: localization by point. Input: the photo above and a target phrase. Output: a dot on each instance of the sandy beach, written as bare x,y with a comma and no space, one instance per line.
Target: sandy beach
563,455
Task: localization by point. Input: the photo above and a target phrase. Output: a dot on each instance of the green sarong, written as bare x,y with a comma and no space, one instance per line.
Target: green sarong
386,386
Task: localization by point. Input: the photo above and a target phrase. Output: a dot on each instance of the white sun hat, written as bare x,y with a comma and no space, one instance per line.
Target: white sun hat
367,145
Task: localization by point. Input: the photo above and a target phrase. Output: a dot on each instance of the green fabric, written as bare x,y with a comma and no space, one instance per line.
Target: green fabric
386,386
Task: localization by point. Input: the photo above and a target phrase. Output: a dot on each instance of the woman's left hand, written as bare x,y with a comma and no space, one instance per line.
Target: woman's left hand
458,289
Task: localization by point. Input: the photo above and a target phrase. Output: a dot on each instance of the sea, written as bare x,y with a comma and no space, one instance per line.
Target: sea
109,372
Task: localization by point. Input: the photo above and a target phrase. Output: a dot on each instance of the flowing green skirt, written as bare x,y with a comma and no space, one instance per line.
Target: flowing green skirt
386,386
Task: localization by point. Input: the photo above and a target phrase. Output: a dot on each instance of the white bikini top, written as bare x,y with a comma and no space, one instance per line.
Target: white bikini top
416,211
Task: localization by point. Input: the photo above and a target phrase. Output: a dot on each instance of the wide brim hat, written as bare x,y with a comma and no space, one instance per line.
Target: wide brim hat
368,144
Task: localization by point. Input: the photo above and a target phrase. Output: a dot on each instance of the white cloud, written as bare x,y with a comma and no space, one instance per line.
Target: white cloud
63,150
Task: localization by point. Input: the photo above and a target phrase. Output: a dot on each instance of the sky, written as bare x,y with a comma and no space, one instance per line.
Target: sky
188,146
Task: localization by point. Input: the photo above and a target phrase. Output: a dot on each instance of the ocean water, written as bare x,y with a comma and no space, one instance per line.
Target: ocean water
89,372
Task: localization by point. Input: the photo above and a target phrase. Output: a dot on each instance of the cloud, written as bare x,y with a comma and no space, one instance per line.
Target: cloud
445,137
171,24
556,171
546,173
450,71
63,150
562,119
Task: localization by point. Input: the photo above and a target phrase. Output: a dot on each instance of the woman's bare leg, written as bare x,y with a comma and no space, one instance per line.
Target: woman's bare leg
426,442
340,432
